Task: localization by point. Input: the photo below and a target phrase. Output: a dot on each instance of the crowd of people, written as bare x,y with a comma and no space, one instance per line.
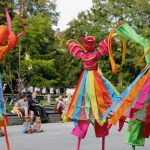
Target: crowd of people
29,107
34,113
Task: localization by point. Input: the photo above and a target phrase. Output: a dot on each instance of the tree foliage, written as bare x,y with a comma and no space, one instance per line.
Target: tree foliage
39,73
3,5
49,63
39,43
100,19
69,70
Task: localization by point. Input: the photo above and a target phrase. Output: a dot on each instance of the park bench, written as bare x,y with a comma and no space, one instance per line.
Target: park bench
13,119
53,116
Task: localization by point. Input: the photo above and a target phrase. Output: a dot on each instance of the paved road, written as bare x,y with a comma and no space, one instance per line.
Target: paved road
57,137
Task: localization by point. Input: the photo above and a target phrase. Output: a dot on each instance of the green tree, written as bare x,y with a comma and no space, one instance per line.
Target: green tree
39,42
100,19
39,38
39,73
68,69
3,5
33,7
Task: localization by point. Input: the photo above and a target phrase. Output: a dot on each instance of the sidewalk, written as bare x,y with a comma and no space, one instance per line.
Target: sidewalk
56,136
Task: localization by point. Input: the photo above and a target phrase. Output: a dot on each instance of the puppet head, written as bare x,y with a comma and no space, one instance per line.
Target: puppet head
88,43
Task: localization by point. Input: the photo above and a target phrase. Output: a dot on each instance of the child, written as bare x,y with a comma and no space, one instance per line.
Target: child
37,125
16,110
26,127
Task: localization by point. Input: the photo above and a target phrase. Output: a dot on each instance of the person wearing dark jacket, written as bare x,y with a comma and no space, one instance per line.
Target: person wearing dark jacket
34,105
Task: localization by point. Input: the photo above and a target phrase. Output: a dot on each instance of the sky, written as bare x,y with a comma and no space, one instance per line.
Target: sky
69,10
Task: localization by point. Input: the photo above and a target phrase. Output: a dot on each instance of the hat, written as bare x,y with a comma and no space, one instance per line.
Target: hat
88,43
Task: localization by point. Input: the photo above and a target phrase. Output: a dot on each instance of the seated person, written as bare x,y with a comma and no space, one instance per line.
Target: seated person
1,132
26,127
60,106
68,100
16,110
34,105
23,105
37,125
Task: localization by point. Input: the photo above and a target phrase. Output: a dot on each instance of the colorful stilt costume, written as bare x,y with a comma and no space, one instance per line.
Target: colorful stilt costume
94,93
7,34
136,97
8,40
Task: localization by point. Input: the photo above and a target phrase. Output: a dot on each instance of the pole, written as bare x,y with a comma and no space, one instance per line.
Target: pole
19,67
103,143
78,144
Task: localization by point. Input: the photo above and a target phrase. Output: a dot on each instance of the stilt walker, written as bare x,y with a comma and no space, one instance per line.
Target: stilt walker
136,97
94,93
8,40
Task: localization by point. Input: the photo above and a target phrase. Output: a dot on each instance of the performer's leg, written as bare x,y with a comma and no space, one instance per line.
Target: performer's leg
80,131
101,131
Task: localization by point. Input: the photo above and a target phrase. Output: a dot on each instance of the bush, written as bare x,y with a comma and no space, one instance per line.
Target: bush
9,108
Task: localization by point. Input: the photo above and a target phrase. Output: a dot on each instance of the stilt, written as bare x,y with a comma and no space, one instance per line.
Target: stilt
6,136
3,123
103,143
78,144
5,130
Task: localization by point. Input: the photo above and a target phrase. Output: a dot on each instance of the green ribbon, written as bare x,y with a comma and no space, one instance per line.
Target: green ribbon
126,31
1,117
87,98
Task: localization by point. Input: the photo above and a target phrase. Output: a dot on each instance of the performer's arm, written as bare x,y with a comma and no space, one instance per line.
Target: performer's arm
103,48
75,50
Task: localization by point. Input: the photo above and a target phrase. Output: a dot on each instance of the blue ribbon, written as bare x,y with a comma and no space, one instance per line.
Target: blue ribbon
124,94
2,102
129,88
80,96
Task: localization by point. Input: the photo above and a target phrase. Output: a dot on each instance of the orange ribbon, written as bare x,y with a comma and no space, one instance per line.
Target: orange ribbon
112,61
129,99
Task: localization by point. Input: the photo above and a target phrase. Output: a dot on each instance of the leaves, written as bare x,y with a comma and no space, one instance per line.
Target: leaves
100,19
50,64
39,73
39,43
